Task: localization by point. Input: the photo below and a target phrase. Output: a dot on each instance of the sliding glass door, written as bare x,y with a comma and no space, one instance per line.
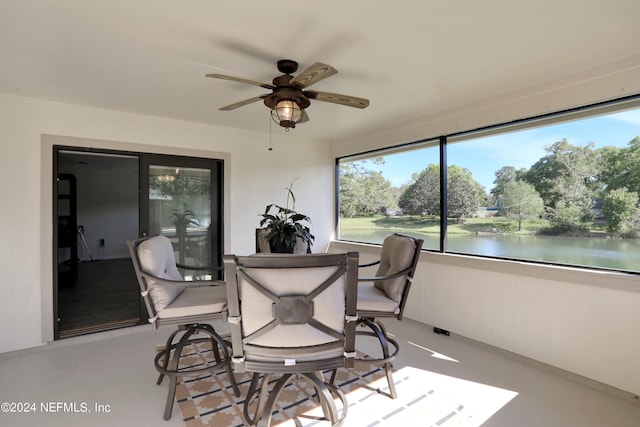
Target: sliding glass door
104,198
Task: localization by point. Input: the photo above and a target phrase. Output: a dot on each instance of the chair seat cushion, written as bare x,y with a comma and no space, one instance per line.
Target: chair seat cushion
300,342
195,301
299,354
370,298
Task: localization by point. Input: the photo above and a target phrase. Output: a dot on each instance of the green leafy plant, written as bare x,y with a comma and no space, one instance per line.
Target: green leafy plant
284,225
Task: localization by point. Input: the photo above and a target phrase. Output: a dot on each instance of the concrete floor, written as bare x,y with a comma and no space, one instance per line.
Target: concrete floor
112,374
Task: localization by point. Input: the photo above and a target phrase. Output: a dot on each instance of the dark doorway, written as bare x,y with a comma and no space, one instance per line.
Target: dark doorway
97,211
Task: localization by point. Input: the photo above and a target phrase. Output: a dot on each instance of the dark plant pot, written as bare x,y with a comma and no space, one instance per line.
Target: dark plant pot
280,248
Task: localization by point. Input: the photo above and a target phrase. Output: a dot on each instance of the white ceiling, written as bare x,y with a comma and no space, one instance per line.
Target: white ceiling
410,58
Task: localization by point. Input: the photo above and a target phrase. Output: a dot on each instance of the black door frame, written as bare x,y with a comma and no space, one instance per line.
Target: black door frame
216,167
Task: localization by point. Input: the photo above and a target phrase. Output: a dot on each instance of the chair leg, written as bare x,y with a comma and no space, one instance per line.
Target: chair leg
334,374
166,352
247,401
388,365
169,366
217,342
214,346
379,331
262,390
326,400
173,367
343,399
171,396
324,393
392,387
267,410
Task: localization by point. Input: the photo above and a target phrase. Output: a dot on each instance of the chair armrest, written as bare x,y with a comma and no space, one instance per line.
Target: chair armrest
388,276
191,267
182,282
370,264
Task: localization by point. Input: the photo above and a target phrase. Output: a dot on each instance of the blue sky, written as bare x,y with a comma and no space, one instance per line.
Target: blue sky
484,156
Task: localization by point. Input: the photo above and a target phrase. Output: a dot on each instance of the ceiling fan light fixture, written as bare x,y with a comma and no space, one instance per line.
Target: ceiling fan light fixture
289,99
286,113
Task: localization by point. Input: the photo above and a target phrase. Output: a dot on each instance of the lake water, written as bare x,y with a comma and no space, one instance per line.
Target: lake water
616,254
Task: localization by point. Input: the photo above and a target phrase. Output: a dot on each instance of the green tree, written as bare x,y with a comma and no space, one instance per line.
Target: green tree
422,196
464,194
567,179
618,207
181,185
364,191
521,201
578,181
568,217
621,166
542,175
504,176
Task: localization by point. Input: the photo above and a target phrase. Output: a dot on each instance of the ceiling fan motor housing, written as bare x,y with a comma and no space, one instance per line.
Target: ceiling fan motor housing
283,91
287,66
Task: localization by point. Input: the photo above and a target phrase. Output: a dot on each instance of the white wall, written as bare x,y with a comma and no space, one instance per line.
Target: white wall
254,177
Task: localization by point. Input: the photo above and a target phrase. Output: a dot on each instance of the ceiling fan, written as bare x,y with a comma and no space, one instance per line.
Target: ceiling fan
288,99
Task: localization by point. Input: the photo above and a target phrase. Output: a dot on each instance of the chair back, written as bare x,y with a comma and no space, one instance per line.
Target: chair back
292,313
398,262
153,258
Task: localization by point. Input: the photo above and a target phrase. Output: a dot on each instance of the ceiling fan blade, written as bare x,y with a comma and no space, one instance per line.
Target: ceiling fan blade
313,74
242,103
241,80
336,98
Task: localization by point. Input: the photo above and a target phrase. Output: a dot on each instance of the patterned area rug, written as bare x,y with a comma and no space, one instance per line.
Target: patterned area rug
209,400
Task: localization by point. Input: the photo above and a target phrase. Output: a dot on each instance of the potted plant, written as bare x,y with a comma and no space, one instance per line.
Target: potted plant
283,226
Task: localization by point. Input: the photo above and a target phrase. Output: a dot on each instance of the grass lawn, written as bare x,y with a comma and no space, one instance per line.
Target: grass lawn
421,224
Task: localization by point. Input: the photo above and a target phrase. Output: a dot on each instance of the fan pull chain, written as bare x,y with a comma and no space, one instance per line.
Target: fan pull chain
270,126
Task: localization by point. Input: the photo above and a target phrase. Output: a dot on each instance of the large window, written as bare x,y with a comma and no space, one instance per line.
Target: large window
559,189
375,188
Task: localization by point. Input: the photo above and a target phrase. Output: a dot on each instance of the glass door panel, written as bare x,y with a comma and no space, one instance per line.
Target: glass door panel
183,205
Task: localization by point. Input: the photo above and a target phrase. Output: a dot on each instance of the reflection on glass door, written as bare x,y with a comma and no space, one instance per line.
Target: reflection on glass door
183,206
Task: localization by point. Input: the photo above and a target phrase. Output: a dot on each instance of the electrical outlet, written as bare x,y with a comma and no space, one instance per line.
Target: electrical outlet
101,243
